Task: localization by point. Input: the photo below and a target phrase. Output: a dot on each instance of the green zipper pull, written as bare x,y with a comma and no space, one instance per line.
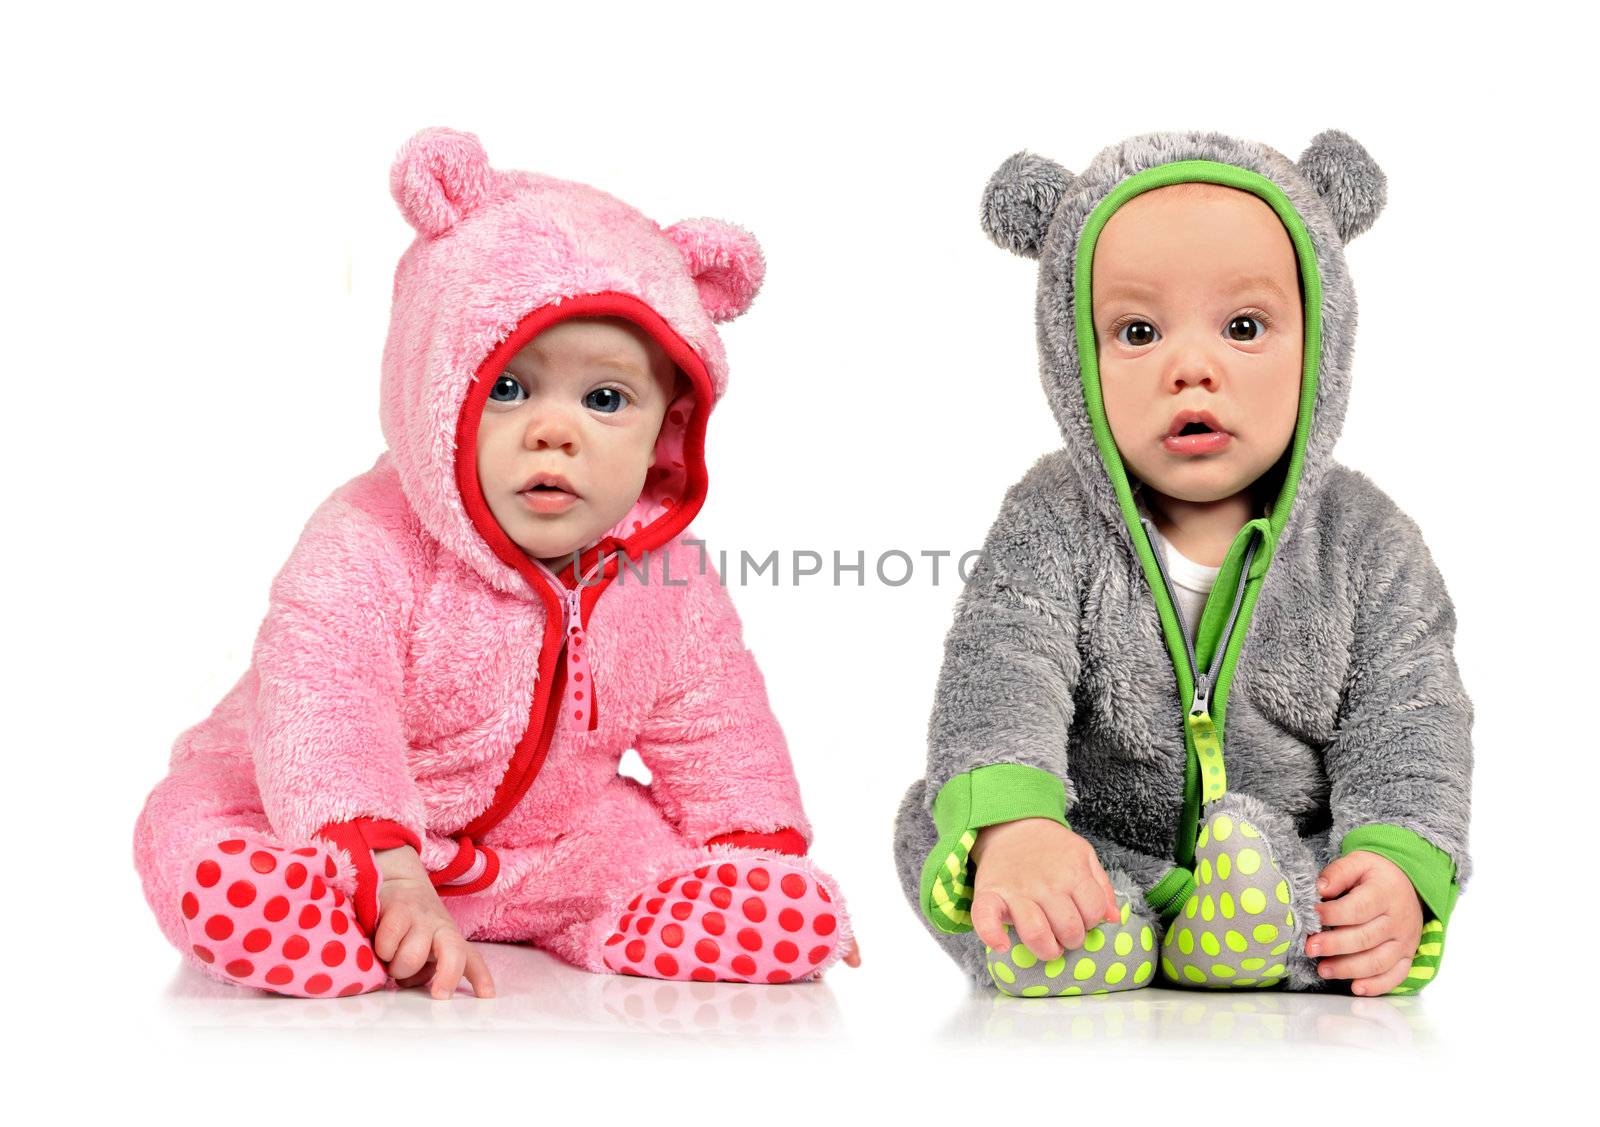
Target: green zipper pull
1207,745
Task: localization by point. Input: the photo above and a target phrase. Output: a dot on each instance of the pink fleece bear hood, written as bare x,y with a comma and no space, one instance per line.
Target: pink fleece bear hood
500,256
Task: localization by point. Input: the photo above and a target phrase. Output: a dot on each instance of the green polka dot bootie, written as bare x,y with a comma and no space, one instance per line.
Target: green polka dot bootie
1237,928
1119,956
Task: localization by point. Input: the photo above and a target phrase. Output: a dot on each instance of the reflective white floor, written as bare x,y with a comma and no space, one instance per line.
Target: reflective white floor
537,994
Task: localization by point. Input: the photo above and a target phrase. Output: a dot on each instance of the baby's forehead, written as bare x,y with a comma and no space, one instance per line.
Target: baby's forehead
1193,231
601,342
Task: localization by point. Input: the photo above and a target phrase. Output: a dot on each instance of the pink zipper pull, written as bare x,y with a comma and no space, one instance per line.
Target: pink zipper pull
580,685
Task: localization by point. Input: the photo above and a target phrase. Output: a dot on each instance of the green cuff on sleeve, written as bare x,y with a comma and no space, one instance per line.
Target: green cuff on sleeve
1431,873
986,796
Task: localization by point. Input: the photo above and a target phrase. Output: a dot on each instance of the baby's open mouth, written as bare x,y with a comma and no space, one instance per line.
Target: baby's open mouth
543,483
1195,432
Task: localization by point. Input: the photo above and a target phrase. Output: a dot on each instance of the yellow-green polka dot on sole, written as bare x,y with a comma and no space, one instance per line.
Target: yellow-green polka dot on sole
1022,957
1265,933
1084,969
1115,973
1221,827
1234,940
1095,940
1253,900
1224,866
1123,945
1054,967
1002,972
1038,990
1209,944
1249,861
1186,941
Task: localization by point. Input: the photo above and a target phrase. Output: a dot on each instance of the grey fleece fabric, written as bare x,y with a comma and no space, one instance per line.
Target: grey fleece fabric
1346,708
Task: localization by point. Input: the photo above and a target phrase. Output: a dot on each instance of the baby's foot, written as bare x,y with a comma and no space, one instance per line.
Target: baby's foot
1119,956
743,919
264,916
1237,928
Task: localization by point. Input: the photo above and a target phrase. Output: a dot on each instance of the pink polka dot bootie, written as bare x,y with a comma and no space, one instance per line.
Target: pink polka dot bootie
746,919
264,916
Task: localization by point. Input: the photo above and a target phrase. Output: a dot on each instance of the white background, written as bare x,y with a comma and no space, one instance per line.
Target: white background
197,265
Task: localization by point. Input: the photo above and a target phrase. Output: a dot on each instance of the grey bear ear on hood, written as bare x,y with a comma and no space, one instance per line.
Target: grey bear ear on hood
1019,200
1349,181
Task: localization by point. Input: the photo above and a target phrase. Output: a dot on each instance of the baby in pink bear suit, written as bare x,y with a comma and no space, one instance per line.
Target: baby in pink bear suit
452,662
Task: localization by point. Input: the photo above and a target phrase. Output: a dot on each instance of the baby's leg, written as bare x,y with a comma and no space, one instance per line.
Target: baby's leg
1119,956
625,893
1253,905
239,904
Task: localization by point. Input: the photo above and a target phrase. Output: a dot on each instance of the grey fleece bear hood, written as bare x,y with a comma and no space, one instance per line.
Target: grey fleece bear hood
1320,690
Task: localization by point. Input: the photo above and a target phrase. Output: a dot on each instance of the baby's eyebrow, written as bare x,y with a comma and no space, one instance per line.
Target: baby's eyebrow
1133,289
1259,281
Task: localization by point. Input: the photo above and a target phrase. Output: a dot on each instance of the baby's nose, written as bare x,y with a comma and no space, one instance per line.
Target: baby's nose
551,429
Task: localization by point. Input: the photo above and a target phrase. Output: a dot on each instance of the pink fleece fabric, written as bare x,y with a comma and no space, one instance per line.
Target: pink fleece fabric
395,670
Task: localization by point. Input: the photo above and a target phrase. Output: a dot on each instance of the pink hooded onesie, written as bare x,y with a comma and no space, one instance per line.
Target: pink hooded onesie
418,679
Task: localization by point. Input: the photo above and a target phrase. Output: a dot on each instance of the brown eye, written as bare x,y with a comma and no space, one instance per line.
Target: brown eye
1137,334
1245,328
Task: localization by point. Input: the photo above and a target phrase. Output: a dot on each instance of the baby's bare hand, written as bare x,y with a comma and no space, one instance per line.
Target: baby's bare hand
416,938
1372,923
1044,880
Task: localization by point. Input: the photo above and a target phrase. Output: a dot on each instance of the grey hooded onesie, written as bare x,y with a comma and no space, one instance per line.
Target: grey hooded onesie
1318,710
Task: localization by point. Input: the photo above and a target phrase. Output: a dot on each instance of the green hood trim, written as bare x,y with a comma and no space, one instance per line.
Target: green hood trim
1218,606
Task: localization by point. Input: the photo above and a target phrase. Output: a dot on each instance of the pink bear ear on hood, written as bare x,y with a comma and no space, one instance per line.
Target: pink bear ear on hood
438,177
725,262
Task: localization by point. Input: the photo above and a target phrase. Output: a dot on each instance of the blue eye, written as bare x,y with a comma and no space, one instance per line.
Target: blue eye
507,390
1142,332
606,400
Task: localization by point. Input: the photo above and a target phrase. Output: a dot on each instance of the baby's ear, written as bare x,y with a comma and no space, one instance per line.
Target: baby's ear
1347,178
438,177
725,262
1019,200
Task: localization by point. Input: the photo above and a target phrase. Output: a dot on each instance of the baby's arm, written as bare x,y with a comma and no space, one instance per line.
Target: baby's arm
997,739
1399,767
719,764
326,735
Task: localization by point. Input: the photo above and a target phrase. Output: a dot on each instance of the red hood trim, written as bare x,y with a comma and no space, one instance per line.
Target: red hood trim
658,532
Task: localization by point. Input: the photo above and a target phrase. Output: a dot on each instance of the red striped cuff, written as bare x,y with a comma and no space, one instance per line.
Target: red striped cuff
360,837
